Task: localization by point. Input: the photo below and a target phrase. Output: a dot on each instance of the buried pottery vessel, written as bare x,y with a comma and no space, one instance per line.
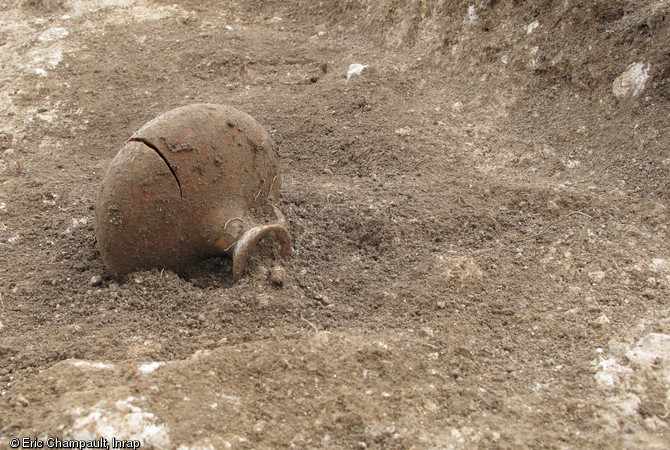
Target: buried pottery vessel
196,182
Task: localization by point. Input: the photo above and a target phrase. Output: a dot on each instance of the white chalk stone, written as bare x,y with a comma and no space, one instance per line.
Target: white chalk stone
150,367
120,419
53,34
652,349
610,373
632,82
355,69
532,26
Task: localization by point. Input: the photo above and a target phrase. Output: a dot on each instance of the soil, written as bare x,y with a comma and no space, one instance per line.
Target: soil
479,220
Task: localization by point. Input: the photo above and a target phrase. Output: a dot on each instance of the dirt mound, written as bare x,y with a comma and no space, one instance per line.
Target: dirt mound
587,44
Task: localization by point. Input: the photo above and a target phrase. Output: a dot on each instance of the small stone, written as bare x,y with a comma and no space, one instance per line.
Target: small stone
96,280
355,69
602,320
323,299
426,332
632,82
649,293
277,275
259,427
597,276
441,305
404,132
21,400
462,351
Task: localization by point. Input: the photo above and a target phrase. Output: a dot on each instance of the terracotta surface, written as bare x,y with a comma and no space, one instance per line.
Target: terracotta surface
189,185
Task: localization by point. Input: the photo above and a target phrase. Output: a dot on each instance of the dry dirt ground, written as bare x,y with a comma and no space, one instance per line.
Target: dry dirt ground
480,223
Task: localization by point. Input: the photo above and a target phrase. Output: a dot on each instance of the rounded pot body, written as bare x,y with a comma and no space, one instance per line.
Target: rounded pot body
183,188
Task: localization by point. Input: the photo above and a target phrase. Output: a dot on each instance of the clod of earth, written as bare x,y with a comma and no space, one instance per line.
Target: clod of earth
196,182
